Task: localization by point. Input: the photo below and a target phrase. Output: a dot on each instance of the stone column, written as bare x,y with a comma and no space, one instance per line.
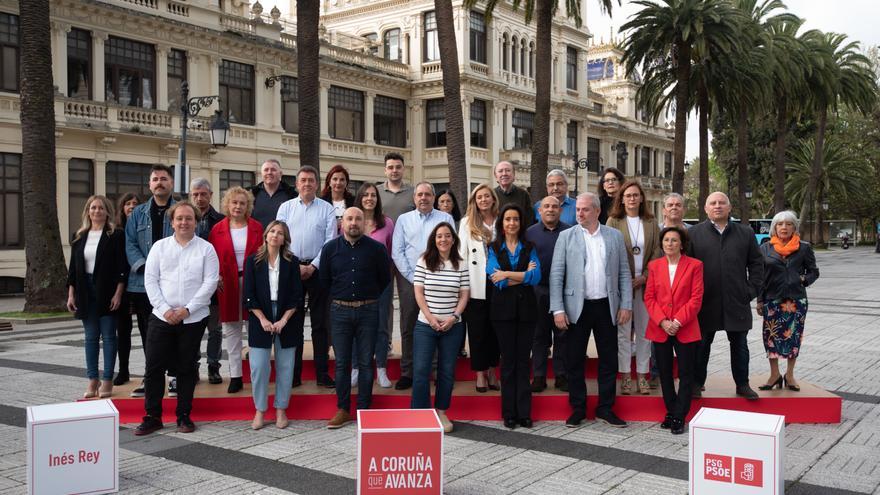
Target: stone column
59,56
493,49
101,176
417,137
213,80
324,111
466,121
582,82
263,104
369,112
98,39
162,76
495,126
507,125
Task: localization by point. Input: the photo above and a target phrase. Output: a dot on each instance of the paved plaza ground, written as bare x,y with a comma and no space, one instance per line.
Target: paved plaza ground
43,364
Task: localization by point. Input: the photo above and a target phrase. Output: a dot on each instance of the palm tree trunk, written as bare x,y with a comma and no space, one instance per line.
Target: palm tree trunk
308,47
742,163
682,91
45,277
543,81
809,206
455,145
779,158
703,108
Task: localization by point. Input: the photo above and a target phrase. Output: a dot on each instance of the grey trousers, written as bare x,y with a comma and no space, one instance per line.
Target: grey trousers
409,312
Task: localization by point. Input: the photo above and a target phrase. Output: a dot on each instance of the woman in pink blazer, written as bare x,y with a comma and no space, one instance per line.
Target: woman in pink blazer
673,296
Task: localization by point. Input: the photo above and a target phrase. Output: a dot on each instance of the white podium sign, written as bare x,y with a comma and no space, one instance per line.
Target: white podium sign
73,448
736,453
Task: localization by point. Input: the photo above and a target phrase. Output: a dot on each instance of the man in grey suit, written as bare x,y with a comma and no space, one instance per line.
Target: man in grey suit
590,290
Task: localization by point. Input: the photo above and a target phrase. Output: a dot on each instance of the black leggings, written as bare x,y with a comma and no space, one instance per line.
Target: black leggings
123,332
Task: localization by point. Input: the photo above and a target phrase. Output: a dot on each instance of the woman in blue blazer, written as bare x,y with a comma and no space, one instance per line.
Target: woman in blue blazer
272,294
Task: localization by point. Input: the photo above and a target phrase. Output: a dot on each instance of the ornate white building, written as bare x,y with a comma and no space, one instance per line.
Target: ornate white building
118,66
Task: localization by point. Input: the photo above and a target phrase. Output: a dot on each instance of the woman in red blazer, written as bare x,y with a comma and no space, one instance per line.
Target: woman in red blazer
234,238
673,296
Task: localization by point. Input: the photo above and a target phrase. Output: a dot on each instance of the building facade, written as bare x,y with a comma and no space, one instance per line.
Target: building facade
118,66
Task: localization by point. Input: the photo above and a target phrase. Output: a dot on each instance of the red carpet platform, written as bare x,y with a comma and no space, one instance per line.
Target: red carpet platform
212,403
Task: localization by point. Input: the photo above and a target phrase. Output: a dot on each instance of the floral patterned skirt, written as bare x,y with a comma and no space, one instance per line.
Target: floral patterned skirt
784,327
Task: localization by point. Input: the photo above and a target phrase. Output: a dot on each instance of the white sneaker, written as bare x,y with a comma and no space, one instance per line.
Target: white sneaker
354,378
382,376
447,425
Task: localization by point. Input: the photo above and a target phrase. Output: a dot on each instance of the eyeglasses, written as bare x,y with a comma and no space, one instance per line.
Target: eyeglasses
632,196
608,181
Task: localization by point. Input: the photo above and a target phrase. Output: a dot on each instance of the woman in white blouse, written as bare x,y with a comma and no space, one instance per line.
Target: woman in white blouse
96,279
477,231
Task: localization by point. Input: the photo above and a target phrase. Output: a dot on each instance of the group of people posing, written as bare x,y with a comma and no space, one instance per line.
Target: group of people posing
519,282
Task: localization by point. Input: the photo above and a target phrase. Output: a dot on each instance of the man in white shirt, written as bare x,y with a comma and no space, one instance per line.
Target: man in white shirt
312,223
590,290
180,275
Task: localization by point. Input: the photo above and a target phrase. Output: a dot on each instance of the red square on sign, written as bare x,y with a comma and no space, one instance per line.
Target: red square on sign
748,472
717,467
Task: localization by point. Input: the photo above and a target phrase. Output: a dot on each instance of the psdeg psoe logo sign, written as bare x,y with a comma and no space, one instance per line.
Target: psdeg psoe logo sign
738,470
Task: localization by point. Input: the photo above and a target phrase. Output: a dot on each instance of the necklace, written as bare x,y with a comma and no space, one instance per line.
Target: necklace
636,250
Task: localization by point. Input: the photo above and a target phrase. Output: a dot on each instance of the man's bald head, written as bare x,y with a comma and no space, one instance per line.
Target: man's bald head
718,207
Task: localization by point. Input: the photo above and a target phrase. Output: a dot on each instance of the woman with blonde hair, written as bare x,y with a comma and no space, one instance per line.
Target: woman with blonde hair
234,239
272,293
477,232
96,280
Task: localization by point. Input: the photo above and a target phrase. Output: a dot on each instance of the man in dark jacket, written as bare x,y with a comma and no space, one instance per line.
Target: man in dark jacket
733,271
508,192
270,194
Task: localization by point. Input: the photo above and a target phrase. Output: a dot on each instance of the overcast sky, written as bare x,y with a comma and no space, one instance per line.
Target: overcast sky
855,18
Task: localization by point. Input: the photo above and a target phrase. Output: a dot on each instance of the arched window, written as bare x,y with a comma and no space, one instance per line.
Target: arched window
391,44
514,42
505,46
532,59
523,57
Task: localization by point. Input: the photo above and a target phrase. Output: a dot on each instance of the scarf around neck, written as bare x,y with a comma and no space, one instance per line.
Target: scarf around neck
788,248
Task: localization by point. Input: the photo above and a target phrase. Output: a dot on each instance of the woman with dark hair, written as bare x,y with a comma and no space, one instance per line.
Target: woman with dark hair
234,238
607,187
513,268
445,201
380,228
441,289
336,190
673,297
124,207
631,217
272,293
96,279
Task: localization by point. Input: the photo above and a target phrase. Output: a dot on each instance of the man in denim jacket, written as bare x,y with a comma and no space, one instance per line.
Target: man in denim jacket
147,224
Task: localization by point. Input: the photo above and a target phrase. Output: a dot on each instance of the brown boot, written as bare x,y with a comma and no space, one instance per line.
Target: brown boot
339,420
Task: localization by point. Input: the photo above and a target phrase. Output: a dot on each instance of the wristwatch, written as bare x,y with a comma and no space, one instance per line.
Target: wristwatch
457,317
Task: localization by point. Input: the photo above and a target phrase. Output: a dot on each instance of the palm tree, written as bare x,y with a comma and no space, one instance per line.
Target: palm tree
308,46
455,144
45,278
665,40
543,11
842,174
843,76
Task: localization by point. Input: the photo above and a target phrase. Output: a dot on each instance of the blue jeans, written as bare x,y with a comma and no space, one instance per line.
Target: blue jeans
382,334
259,360
425,342
99,327
346,325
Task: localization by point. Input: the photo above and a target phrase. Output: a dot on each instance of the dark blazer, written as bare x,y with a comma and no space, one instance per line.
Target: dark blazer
111,268
256,296
733,273
679,300
782,276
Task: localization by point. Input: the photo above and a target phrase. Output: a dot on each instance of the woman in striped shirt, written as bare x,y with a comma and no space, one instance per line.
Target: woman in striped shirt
442,291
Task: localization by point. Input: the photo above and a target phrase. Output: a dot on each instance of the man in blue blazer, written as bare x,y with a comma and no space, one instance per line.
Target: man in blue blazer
590,290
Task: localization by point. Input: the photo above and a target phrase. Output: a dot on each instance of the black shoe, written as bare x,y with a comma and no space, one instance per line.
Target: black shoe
526,422
677,427
539,384
771,386
235,385
185,425
121,378
138,391
326,382
297,382
214,377
698,391
562,383
611,419
404,383
667,422
510,423
462,353
575,419
747,392
148,425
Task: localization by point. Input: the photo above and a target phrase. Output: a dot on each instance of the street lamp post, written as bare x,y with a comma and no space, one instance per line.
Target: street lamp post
219,131
581,164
